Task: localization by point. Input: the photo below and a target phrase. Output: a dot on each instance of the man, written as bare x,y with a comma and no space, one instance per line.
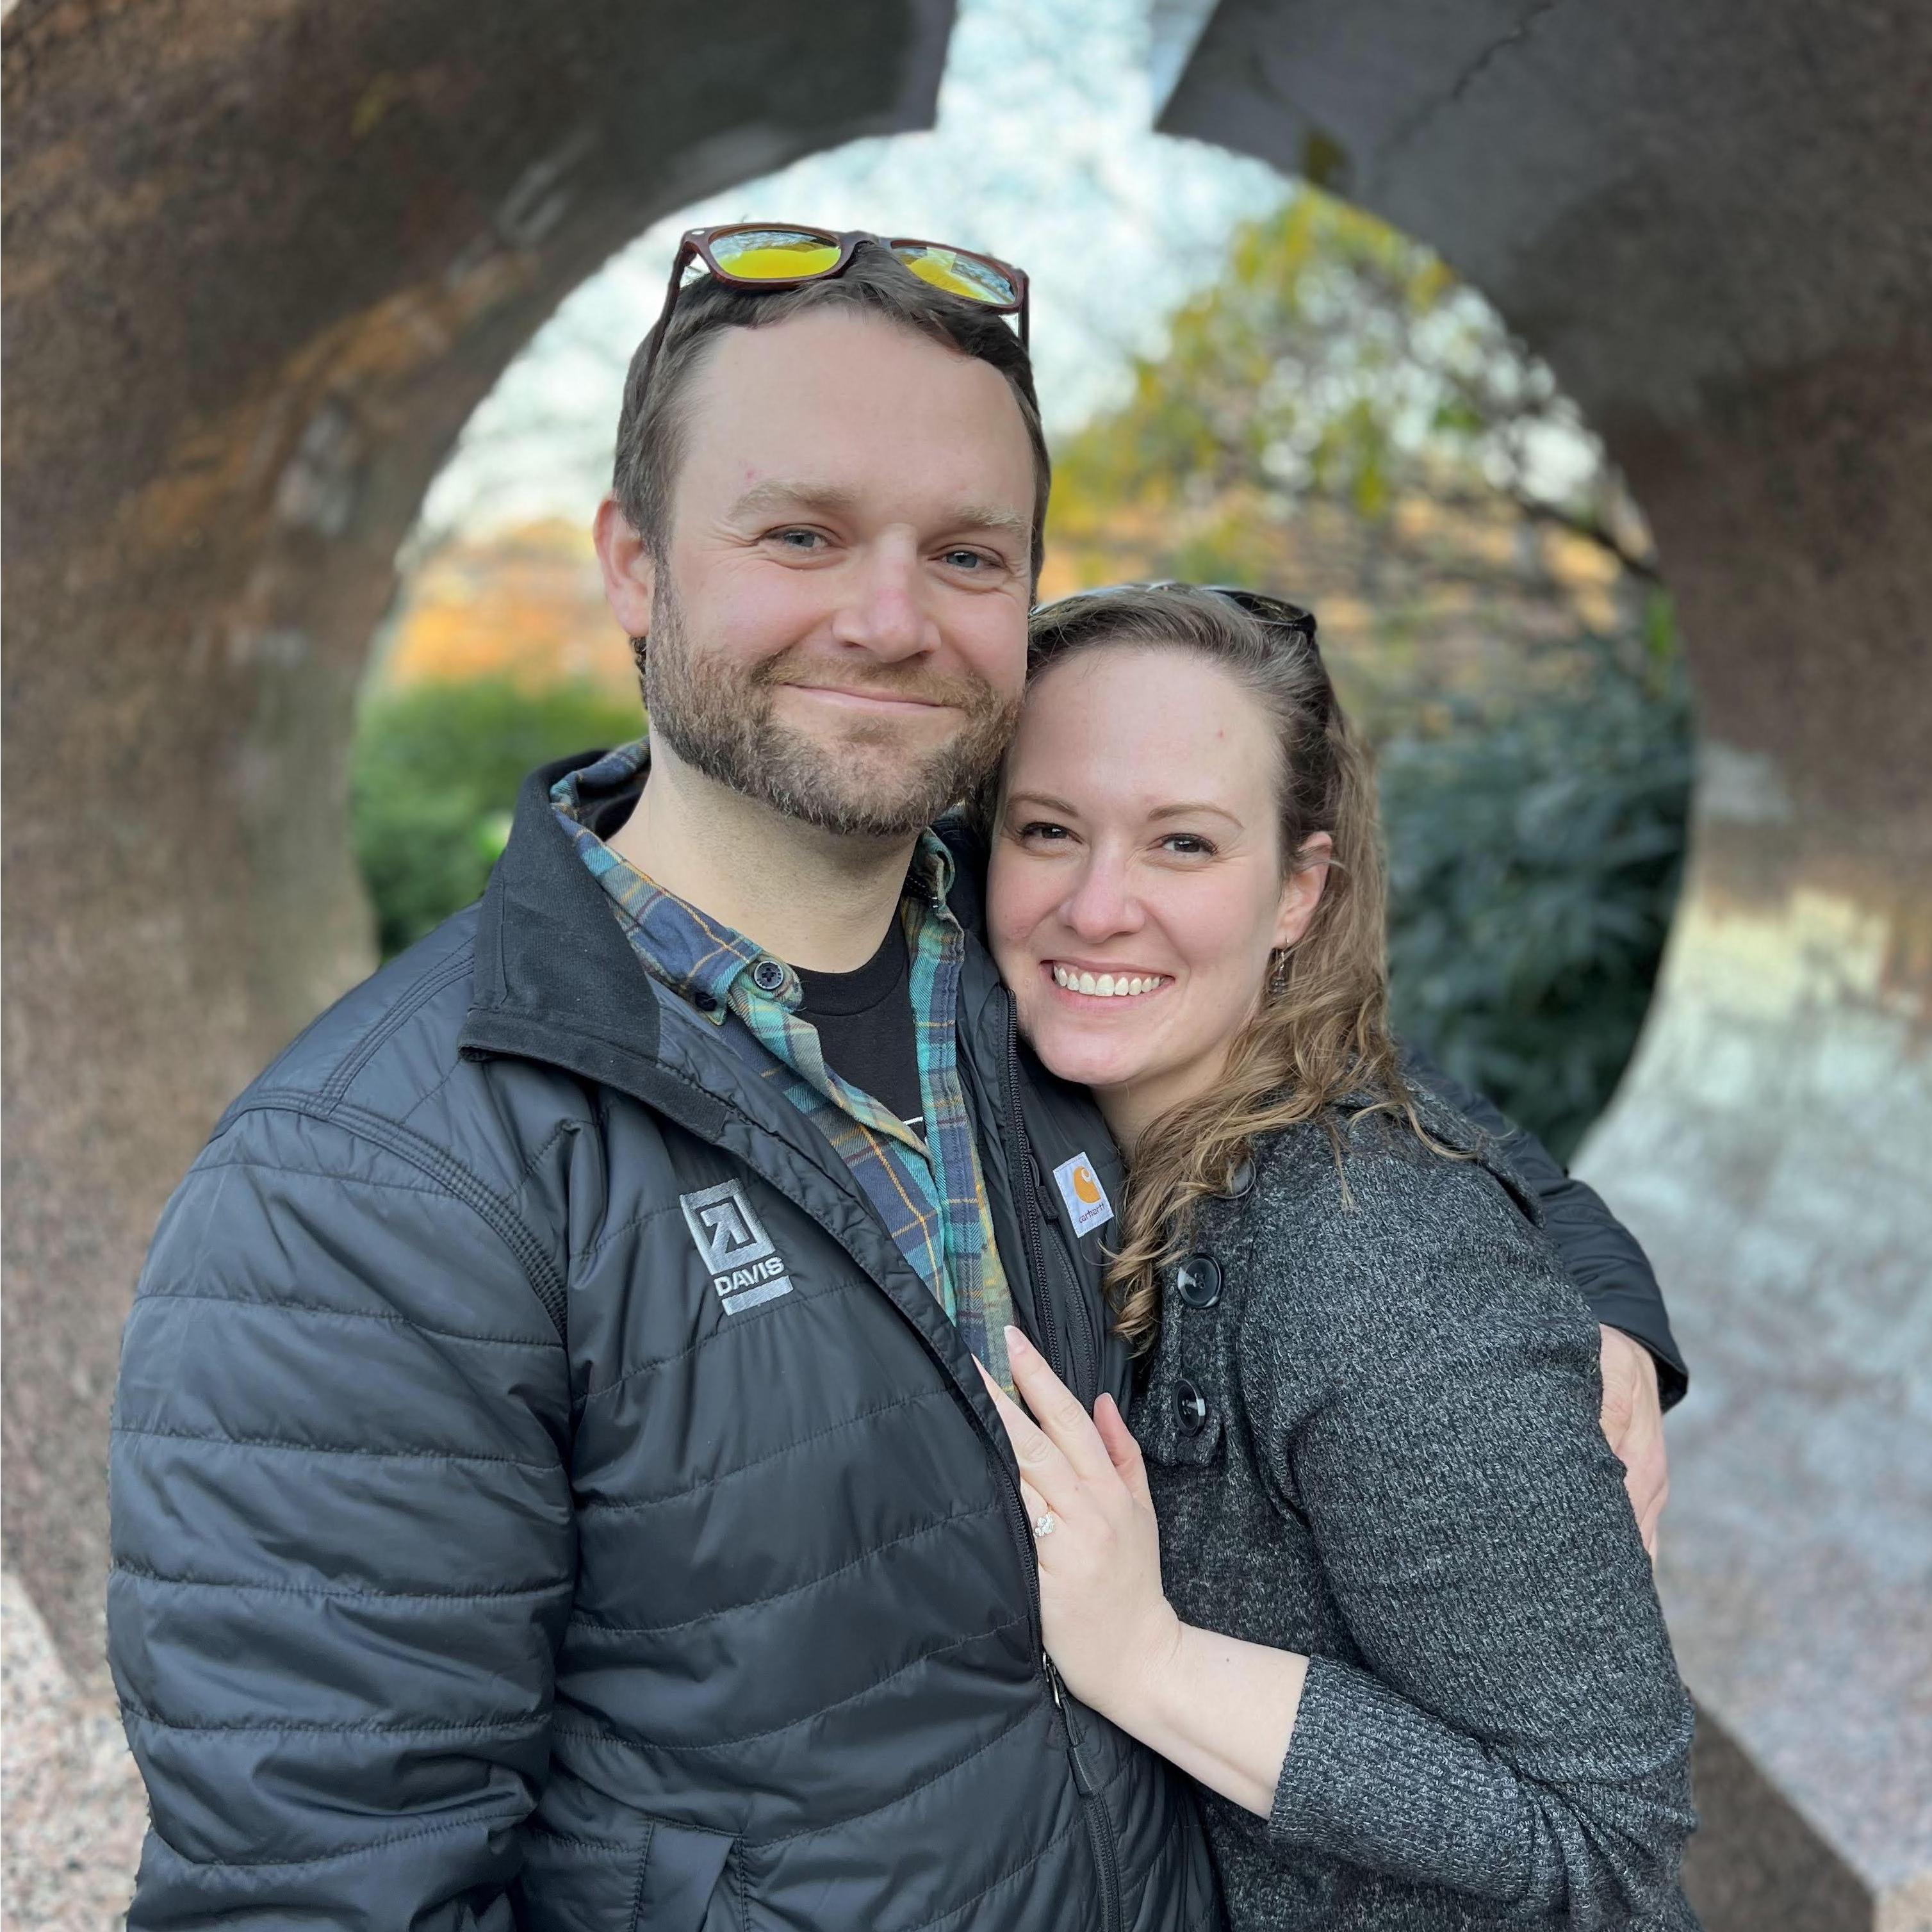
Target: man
552,1484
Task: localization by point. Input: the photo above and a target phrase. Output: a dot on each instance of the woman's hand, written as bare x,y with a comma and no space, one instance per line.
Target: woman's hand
1111,1632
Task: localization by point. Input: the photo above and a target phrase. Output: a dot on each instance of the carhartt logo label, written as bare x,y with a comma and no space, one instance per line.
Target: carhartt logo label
745,1268
1086,1199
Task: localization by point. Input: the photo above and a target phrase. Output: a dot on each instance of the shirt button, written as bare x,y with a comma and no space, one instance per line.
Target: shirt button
1197,1281
768,976
704,1003
1190,1407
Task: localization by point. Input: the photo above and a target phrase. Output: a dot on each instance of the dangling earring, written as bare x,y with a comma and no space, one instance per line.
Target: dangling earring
1278,969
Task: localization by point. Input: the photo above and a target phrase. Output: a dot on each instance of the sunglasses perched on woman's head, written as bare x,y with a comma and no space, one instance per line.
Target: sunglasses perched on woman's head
1277,612
774,256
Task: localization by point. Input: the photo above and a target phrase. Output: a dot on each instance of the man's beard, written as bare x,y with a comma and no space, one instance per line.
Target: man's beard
721,719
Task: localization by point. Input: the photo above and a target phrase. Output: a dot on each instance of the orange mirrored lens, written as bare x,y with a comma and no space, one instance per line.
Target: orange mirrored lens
773,254
958,275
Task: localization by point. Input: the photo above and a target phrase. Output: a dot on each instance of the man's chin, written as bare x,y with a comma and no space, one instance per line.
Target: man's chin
855,806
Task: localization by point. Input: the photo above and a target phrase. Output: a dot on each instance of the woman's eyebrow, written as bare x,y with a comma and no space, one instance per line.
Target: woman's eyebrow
1188,808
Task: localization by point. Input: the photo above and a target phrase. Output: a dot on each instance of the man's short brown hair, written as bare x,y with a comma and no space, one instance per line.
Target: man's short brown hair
652,429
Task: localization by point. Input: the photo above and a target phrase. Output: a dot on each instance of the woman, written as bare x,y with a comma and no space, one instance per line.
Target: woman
1409,1643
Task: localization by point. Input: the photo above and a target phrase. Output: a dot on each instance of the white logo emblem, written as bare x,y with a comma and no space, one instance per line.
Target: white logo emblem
745,1268
1086,1199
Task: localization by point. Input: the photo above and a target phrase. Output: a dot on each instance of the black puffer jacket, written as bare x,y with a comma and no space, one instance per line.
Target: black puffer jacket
448,1483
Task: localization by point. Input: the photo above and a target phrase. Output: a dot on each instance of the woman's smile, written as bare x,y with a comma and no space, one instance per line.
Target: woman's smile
1086,982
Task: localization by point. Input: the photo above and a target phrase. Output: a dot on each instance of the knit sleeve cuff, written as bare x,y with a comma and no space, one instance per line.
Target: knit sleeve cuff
1370,1779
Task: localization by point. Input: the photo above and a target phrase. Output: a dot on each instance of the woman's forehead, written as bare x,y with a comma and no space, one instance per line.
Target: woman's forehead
1147,726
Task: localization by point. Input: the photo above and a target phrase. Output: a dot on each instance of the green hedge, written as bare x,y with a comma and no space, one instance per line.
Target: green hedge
435,772
1534,860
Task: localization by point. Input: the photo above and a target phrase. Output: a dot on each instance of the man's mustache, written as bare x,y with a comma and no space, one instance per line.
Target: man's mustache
962,694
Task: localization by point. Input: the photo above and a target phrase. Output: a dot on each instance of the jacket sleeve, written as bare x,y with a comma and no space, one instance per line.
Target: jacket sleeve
1600,1254
1426,1394
343,1541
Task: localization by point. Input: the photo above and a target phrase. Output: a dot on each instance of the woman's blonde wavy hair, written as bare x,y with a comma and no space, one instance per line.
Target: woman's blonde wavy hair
1320,1033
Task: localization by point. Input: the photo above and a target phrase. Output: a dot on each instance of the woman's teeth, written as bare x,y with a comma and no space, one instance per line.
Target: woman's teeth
1107,985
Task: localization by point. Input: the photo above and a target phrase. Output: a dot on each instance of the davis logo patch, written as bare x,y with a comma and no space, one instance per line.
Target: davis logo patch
1086,1199
745,1268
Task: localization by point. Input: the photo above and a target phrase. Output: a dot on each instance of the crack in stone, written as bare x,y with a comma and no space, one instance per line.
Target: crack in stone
1467,79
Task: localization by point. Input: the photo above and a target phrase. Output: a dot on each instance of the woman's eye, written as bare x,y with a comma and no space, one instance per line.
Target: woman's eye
1044,830
1188,845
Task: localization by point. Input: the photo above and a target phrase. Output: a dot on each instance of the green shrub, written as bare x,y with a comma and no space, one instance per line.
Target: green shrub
435,772
1534,860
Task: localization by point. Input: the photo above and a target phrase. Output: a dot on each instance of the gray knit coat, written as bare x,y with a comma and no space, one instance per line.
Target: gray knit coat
1371,1427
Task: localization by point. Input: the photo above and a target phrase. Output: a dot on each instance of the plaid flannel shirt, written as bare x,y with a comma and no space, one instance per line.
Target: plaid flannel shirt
928,1192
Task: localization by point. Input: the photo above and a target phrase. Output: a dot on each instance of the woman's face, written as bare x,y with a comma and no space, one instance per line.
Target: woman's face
1136,889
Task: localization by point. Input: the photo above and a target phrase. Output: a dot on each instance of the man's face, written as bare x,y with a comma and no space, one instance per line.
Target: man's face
839,626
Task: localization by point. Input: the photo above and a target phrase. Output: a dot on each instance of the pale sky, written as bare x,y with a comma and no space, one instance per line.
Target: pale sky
1042,154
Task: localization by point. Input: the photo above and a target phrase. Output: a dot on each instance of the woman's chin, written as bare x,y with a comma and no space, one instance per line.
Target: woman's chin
1075,1056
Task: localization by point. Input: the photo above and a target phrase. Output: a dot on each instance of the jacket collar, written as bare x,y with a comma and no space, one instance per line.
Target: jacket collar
557,980
553,968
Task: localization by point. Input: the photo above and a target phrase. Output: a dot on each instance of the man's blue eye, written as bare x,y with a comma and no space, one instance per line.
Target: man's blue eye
967,558
798,539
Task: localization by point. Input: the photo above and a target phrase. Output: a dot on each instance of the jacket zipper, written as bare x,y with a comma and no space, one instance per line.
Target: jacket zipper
1030,1195
1100,1826
1093,1805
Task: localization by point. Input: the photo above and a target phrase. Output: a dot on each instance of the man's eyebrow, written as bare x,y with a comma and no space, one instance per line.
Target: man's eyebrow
834,499
778,494
983,517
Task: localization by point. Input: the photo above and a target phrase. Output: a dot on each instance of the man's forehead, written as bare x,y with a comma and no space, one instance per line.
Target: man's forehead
847,414
846,365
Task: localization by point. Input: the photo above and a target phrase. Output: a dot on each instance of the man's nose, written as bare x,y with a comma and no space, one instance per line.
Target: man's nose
887,613
1102,903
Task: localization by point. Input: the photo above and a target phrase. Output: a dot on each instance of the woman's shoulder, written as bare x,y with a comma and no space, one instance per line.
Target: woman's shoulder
1363,1160
1366,1222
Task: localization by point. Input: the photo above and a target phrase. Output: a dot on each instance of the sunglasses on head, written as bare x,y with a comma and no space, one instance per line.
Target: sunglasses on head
767,255
1277,612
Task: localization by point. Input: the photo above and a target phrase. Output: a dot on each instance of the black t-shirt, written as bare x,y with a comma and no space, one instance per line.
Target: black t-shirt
865,1026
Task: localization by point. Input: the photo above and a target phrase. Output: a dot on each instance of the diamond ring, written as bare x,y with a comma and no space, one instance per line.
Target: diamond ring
1043,1523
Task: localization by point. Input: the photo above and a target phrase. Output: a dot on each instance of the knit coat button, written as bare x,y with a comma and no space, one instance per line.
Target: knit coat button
768,976
1190,1406
1197,1281
1241,1180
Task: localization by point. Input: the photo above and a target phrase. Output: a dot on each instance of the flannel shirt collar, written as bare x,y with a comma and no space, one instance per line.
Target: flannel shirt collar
700,958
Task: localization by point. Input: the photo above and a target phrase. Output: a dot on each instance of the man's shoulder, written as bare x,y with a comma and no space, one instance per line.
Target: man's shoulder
387,1043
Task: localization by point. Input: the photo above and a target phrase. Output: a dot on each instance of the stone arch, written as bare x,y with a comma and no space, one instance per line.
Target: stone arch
261,263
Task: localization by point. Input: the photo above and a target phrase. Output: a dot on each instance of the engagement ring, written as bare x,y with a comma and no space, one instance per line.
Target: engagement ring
1043,1525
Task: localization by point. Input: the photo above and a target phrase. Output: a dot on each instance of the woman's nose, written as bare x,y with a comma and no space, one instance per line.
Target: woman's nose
1101,904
